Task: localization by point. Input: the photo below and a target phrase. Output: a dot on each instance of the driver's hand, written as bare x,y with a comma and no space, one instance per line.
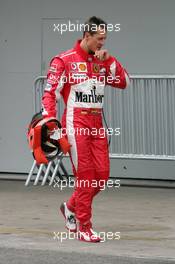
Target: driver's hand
102,55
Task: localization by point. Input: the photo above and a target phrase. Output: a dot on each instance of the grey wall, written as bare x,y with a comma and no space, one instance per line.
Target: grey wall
145,45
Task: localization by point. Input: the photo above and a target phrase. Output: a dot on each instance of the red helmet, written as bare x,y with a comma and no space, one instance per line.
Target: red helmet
43,138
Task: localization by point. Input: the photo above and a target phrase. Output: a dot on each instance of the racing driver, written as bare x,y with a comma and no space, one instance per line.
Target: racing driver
80,75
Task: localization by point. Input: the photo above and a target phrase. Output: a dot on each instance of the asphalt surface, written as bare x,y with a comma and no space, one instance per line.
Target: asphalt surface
18,256
32,228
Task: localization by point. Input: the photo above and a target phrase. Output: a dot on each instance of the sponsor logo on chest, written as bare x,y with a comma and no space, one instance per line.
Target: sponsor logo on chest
89,98
78,67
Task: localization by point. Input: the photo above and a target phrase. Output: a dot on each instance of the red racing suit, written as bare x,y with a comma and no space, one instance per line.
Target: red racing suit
80,79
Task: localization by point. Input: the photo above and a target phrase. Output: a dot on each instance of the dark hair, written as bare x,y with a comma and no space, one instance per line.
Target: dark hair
93,24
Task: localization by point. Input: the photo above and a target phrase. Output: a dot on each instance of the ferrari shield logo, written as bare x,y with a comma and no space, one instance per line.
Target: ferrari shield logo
96,68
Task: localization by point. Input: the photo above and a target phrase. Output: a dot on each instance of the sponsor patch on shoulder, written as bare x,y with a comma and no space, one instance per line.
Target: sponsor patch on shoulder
53,68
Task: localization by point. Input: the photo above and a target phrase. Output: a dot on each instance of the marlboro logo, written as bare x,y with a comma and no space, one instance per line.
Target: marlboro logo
89,98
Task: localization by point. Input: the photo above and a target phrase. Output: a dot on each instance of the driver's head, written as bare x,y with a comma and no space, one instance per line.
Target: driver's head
95,32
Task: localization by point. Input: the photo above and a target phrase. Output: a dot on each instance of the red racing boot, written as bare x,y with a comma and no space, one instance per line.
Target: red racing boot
87,234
